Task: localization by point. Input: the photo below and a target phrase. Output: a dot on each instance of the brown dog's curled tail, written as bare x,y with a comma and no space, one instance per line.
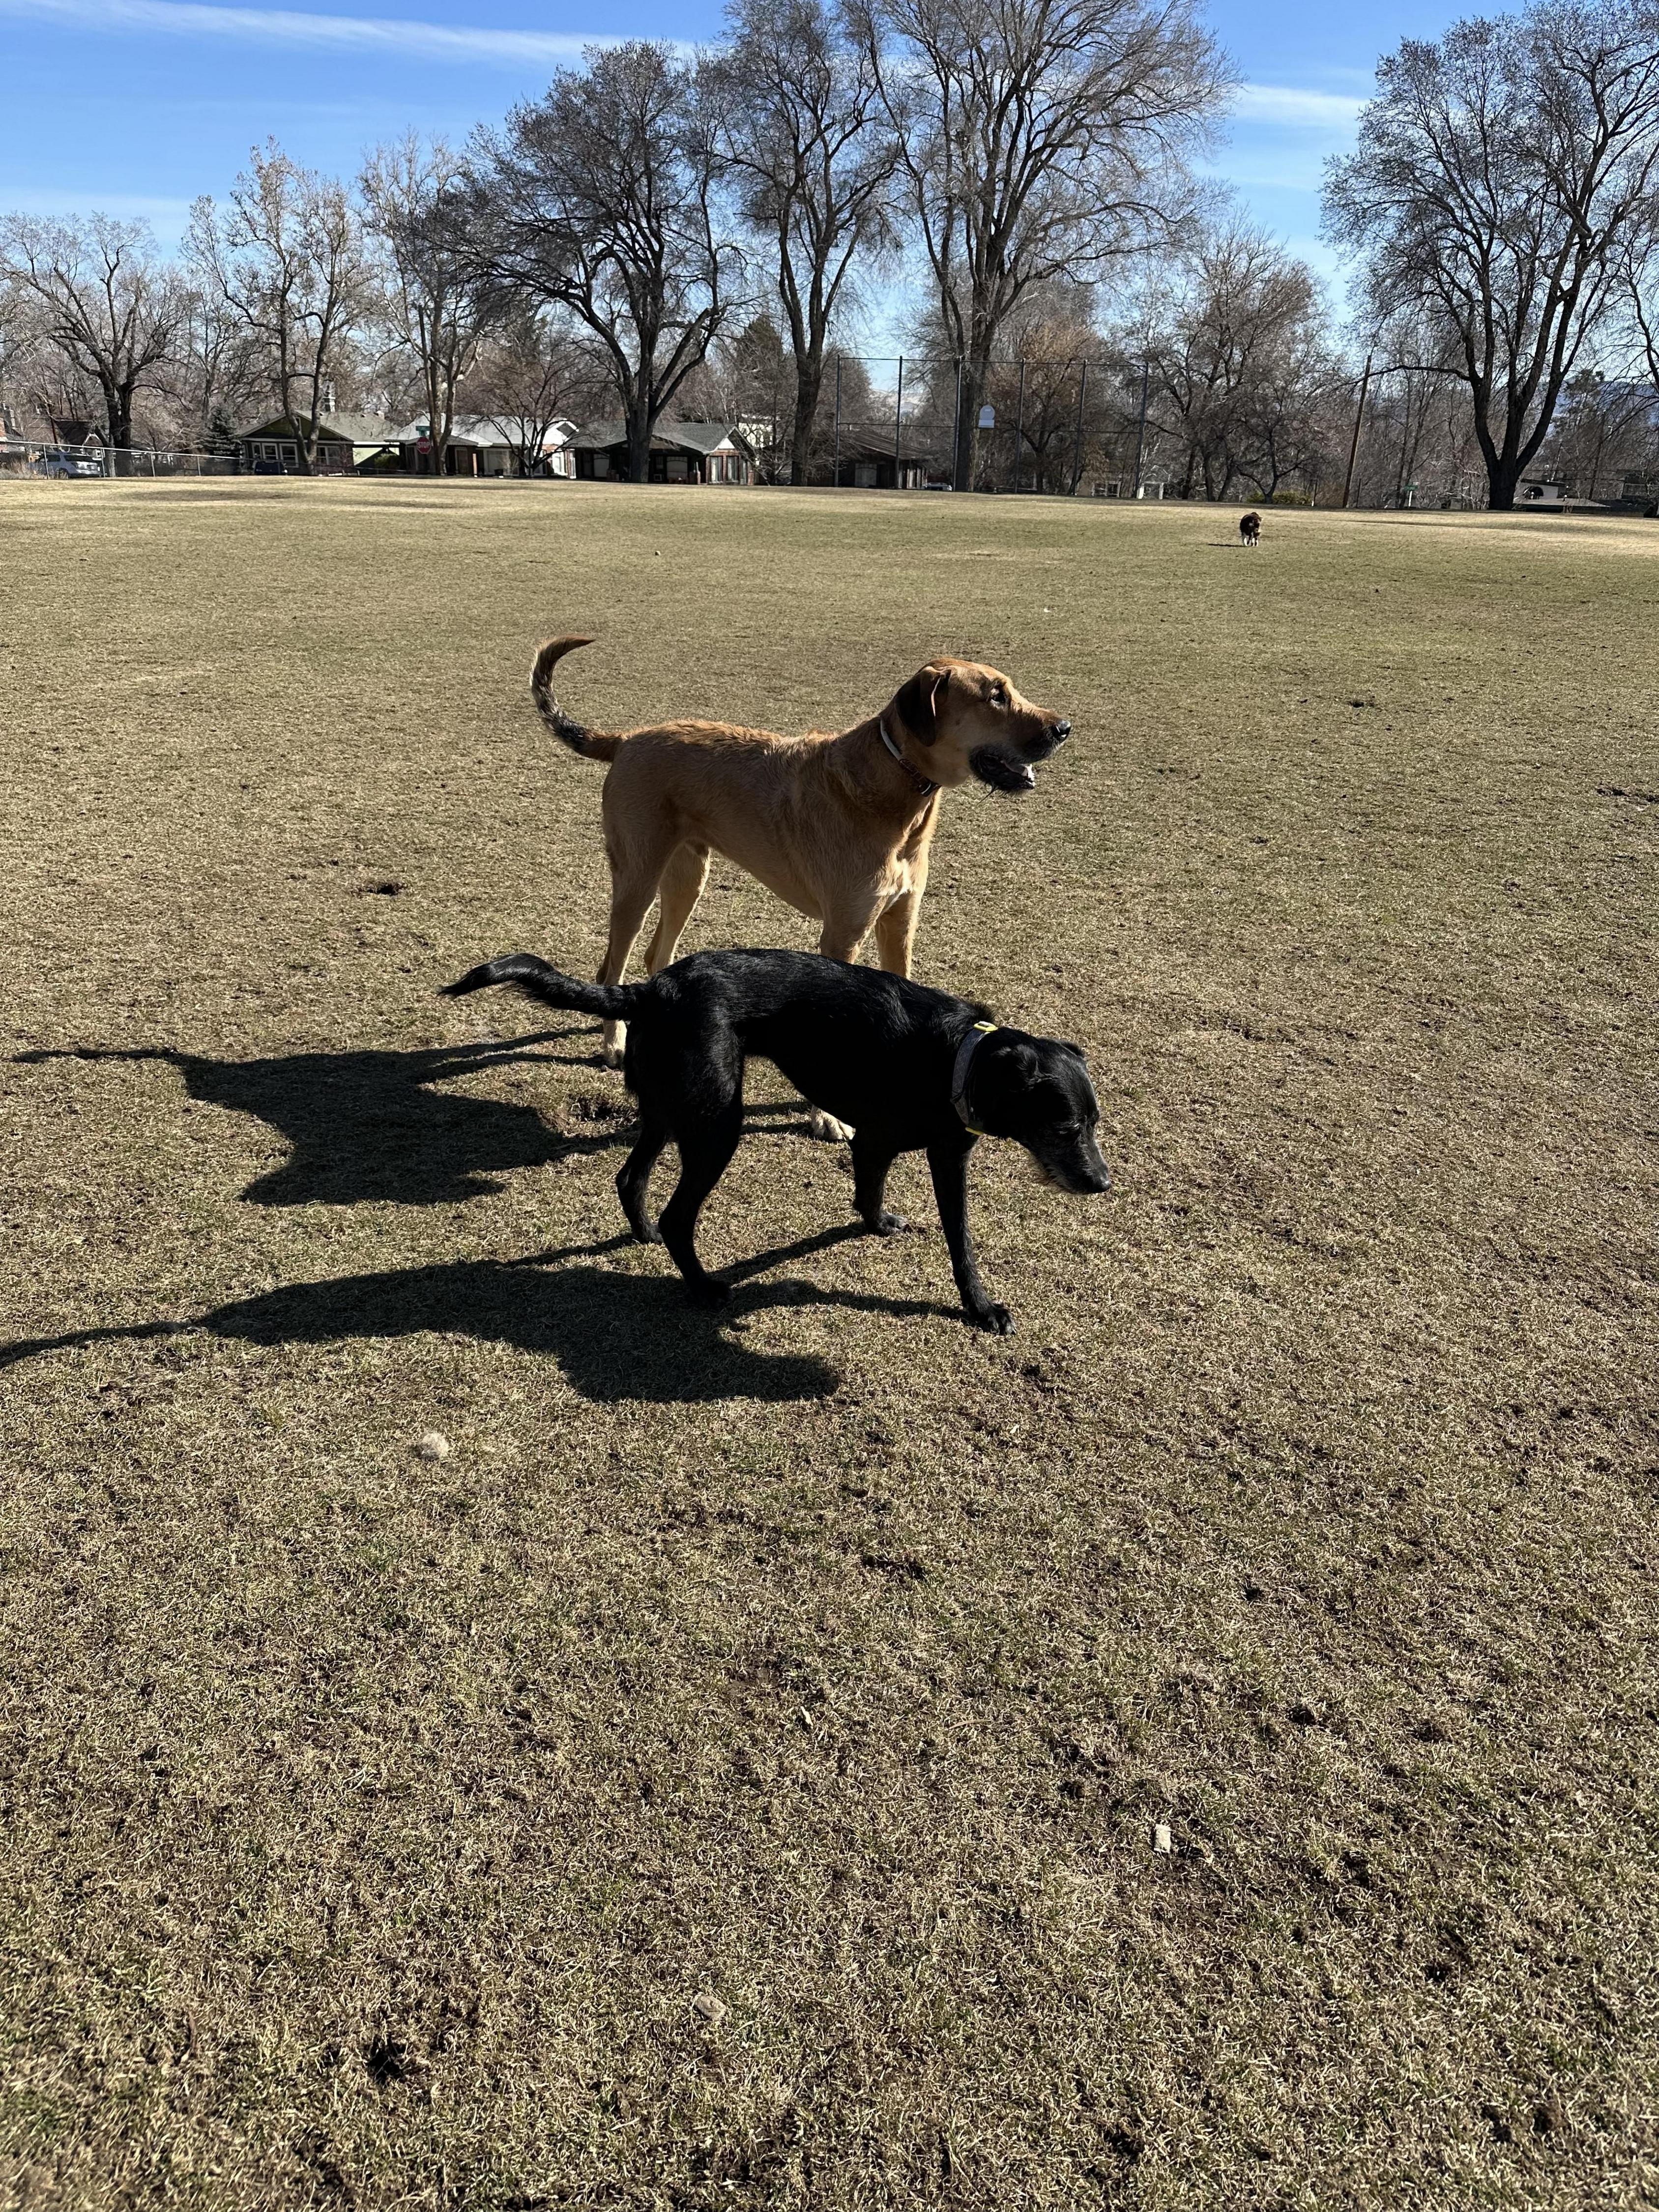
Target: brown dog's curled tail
592,745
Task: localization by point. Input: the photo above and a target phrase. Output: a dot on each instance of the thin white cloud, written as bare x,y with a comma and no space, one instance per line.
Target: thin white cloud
286,27
1292,104
29,199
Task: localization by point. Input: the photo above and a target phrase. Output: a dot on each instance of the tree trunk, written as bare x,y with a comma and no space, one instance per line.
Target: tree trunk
438,425
1501,481
975,375
808,386
118,411
640,425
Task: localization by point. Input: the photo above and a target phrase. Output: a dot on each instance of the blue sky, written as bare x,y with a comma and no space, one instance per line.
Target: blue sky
135,106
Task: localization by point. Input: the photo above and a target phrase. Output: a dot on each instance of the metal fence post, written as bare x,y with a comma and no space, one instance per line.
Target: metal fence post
1076,441
1359,420
1019,423
956,441
1140,433
898,430
836,480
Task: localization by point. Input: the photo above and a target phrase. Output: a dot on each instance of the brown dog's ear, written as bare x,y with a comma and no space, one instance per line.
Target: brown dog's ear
917,702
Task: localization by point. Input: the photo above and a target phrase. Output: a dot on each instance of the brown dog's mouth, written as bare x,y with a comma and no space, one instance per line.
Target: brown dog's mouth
992,765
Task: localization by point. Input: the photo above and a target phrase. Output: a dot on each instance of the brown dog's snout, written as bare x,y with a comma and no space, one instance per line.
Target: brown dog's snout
1062,729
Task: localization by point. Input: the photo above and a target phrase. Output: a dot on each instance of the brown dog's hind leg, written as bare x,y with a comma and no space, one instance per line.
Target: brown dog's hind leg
839,939
631,897
680,889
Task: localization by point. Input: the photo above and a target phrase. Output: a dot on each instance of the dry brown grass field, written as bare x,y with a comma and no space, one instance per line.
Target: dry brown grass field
731,1776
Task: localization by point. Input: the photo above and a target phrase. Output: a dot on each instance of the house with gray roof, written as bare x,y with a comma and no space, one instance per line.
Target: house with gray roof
681,453
344,442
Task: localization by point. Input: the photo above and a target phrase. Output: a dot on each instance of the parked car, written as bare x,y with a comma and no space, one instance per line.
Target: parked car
67,461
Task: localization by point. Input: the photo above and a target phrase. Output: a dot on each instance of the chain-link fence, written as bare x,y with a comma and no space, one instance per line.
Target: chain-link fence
20,457
1070,426
1112,426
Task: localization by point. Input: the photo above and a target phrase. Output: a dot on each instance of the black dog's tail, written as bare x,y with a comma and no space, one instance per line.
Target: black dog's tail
592,745
539,979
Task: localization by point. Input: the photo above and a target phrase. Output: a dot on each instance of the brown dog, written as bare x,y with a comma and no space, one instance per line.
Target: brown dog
838,826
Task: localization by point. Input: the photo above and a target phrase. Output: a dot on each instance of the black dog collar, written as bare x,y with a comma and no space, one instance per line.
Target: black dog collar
920,781
965,1051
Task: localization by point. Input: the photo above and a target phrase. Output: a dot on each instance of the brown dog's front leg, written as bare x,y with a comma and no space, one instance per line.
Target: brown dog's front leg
896,933
948,1165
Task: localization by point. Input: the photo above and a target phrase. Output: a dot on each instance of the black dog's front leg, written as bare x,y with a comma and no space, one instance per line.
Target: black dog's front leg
948,1165
871,1160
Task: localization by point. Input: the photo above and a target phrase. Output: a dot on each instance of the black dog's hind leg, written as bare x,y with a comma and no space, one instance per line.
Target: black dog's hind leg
633,1184
706,1149
871,1162
949,1166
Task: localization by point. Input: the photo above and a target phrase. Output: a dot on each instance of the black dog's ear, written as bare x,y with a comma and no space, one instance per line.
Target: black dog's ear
917,702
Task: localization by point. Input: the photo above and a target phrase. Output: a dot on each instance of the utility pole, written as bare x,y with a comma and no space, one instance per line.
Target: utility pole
1140,433
1077,438
898,430
1019,423
1359,419
956,442
835,479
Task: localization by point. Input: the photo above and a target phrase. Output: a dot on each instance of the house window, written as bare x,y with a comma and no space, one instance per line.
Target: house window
864,475
676,468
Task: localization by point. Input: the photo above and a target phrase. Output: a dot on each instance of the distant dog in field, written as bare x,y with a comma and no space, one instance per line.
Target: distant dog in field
1249,529
838,826
911,1070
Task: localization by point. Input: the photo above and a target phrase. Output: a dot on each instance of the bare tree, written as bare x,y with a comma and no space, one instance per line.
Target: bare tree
1236,355
599,199
1040,139
531,374
804,135
1041,394
1499,171
438,308
288,258
1638,286
217,373
103,300
19,335
1602,428
748,378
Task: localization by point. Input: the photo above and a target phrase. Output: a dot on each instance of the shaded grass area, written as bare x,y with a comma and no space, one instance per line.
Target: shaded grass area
732,1774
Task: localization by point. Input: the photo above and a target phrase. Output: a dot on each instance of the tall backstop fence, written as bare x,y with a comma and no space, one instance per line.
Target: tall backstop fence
909,421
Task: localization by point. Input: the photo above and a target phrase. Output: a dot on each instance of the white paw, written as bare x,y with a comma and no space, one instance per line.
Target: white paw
832,1131
612,1053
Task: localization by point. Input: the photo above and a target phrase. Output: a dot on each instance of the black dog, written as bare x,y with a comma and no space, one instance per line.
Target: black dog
1249,529
912,1070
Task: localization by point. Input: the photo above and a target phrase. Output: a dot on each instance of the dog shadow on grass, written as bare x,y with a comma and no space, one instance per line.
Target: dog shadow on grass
368,1125
364,1126
616,1335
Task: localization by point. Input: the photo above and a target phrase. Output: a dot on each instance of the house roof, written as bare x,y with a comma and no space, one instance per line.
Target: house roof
353,429
704,438
879,449
486,430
